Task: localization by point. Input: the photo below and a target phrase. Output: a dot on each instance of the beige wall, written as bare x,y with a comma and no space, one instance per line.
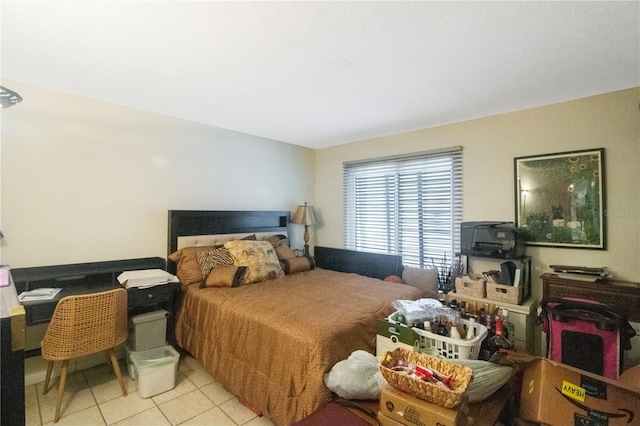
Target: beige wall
84,180
489,146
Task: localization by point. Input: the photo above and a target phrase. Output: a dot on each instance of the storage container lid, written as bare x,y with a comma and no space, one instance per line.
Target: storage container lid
155,357
149,316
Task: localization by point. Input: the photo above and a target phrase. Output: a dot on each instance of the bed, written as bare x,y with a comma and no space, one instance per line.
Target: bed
270,342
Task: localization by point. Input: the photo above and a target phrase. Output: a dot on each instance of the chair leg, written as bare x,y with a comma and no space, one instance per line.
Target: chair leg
47,378
63,382
116,369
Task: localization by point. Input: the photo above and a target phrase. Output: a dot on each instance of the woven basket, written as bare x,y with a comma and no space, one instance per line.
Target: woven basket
440,395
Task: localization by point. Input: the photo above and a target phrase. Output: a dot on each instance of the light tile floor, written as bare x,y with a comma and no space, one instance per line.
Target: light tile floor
93,397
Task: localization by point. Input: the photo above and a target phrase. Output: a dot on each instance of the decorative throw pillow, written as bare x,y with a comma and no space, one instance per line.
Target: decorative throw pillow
188,269
283,251
277,239
224,276
424,279
215,258
395,279
297,264
258,256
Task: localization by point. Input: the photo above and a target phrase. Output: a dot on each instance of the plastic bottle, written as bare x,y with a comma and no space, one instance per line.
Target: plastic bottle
457,324
471,330
454,333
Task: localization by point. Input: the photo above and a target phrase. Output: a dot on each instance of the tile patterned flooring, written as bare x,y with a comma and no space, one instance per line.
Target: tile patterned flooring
93,397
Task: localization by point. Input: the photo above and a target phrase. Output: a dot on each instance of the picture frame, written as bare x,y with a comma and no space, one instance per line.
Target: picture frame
560,199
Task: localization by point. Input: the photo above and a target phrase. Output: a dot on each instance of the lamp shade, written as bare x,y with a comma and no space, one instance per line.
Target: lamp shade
305,215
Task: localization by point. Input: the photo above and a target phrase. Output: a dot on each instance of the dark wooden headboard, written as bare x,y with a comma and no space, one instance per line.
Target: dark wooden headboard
374,265
210,222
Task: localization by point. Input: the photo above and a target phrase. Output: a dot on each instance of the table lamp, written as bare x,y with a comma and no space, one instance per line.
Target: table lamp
305,216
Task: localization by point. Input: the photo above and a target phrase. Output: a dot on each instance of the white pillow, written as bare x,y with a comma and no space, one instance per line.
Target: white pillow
424,279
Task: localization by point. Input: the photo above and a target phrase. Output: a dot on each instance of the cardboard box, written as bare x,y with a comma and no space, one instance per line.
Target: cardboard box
387,421
557,394
391,335
407,409
631,377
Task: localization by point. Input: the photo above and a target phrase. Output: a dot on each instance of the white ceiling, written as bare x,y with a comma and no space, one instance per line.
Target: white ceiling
319,74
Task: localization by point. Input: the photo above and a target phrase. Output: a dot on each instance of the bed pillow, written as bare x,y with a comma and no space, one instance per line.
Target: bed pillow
216,258
283,251
277,239
424,279
258,256
395,279
224,276
297,264
188,270
281,244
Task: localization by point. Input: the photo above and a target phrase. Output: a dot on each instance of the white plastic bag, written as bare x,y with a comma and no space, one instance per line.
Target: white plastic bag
488,377
422,309
357,377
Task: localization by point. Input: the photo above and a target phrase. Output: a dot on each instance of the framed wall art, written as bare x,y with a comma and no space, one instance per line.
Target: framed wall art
560,199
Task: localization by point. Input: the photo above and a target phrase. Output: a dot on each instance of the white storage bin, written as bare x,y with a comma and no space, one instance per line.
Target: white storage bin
155,370
148,330
450,348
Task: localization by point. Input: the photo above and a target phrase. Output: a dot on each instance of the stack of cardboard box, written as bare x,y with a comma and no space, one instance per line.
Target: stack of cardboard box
557,394
400,408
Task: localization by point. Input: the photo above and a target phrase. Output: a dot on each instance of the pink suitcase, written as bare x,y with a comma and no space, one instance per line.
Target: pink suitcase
586,334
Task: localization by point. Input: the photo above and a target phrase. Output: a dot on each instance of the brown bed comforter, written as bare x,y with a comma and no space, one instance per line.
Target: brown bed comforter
271,343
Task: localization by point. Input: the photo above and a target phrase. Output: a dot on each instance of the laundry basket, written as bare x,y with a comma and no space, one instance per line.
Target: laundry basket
446,347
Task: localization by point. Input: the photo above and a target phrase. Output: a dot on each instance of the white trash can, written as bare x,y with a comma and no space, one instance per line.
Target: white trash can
148,330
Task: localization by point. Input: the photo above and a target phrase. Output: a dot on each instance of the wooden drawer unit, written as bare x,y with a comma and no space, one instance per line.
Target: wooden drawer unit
624,295
142,297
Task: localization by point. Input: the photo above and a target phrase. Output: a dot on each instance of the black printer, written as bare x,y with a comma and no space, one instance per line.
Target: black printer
501,240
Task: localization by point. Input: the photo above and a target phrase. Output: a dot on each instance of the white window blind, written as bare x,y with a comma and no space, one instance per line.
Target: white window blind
409,205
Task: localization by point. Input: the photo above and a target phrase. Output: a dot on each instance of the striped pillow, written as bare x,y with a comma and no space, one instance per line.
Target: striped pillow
216,258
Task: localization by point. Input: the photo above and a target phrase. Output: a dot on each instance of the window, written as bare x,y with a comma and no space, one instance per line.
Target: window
409,205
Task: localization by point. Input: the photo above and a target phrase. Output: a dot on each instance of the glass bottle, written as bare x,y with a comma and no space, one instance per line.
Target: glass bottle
498,343
463,310
482,316
490,324
442,327
508,329
484,353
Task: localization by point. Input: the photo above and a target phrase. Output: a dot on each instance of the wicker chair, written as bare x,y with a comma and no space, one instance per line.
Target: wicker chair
83,325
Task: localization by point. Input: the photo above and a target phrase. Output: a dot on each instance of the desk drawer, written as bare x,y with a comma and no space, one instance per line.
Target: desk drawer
138,297
40,313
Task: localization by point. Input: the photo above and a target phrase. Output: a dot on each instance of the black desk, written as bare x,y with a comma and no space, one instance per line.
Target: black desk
12,343
93,277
